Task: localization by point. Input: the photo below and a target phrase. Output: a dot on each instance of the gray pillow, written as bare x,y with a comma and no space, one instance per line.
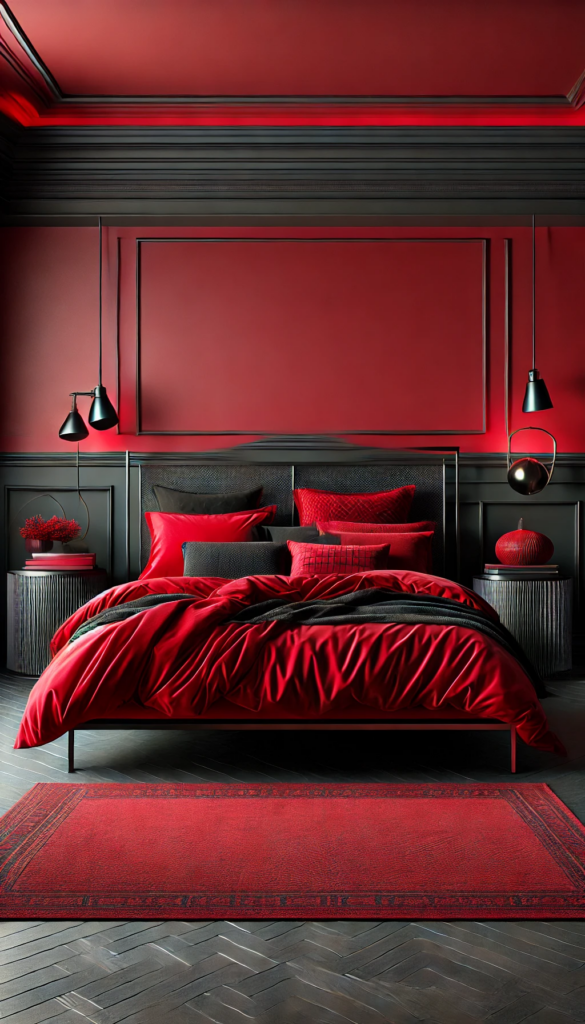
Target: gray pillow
190,503
280,534
234,559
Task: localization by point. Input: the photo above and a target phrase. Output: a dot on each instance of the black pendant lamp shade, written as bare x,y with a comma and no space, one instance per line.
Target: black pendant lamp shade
102,414
536,397
73,429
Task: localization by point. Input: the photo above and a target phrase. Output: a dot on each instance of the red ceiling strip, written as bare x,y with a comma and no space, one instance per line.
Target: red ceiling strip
165,114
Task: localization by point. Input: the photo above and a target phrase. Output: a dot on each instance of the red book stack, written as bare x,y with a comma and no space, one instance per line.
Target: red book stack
60,560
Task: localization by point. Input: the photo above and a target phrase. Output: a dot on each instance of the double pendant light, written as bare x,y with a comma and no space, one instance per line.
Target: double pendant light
536,398
102,414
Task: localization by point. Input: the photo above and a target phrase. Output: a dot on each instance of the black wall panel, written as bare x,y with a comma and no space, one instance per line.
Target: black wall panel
111,485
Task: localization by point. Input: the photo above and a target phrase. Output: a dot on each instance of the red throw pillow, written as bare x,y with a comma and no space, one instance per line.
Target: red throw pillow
408,550
382,507
170,530
325,559
339,526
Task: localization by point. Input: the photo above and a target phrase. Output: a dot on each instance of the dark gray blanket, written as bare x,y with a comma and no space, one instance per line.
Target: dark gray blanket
125,611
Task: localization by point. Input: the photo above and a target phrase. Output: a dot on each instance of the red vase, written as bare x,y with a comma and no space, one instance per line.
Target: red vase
33,545
524,547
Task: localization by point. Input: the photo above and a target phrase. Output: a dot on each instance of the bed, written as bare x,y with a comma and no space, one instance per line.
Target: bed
377,649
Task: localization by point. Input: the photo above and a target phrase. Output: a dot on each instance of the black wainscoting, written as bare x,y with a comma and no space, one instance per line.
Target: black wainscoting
111,485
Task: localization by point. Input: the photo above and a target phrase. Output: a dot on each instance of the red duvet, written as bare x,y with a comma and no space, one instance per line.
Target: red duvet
179,658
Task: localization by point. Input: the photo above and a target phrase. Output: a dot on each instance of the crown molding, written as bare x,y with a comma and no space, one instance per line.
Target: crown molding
47,103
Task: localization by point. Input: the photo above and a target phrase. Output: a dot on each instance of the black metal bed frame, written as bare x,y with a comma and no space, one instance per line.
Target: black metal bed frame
378,725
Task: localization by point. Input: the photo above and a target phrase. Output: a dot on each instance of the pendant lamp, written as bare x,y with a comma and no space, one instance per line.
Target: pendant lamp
536,398
529,475
102,414
74,428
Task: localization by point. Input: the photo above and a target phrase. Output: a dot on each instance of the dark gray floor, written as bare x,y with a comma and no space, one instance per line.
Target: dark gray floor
281,972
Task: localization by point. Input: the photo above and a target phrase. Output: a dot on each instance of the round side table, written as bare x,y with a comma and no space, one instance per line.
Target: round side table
539,613
38,602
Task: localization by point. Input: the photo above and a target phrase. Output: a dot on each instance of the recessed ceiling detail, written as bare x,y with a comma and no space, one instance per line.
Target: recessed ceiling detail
292,62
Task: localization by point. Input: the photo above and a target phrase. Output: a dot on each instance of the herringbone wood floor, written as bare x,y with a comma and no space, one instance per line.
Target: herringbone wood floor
293,972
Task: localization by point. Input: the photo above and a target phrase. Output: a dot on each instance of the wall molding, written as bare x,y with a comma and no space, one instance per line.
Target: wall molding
482,504
107,489
302,442
306,241
36,74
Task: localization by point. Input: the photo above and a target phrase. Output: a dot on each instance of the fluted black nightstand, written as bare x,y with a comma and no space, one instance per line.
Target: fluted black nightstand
539,613
38,602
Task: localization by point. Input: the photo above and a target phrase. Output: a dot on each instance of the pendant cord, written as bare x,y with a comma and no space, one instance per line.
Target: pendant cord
80,496
100,312
99,365
533,292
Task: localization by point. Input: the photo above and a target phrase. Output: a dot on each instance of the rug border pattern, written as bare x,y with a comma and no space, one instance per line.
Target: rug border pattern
37,816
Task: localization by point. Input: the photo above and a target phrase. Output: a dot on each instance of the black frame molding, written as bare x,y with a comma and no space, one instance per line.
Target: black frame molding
108,489
481,503
333,433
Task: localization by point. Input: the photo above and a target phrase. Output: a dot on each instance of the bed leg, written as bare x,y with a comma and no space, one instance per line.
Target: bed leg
71,751
512,749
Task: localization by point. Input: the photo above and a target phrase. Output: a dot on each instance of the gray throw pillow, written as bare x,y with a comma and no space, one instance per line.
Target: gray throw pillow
192,504
280,534
234,559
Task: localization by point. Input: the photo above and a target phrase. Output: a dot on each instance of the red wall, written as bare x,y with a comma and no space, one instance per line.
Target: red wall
289,338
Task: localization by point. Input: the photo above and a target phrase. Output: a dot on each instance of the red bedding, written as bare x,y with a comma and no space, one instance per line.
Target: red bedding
178,658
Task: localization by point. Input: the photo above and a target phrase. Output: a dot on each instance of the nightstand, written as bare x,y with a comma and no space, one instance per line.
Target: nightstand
539,613
38,602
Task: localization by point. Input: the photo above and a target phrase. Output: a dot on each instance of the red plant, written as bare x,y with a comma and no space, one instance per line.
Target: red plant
56,528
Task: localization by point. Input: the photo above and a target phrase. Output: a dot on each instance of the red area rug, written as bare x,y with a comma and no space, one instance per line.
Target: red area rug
281,851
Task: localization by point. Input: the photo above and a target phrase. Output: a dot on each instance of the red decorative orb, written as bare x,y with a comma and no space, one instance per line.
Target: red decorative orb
524,547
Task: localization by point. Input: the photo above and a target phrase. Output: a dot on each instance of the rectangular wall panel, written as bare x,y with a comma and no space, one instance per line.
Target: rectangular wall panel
97,519
282,335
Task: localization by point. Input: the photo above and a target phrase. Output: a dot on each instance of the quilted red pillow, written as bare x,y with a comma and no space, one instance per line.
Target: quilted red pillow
169,531
409,550
382,507
339,526
324,559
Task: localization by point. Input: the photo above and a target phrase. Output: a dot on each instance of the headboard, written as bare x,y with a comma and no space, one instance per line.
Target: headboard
280,465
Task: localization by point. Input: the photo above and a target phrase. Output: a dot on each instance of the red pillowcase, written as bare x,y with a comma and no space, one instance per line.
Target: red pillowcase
339,526
382,507
407,550
169,531
324,559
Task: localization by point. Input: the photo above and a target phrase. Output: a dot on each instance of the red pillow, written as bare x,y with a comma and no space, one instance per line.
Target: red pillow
338,526
170,530
408,550
324,559
382,507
